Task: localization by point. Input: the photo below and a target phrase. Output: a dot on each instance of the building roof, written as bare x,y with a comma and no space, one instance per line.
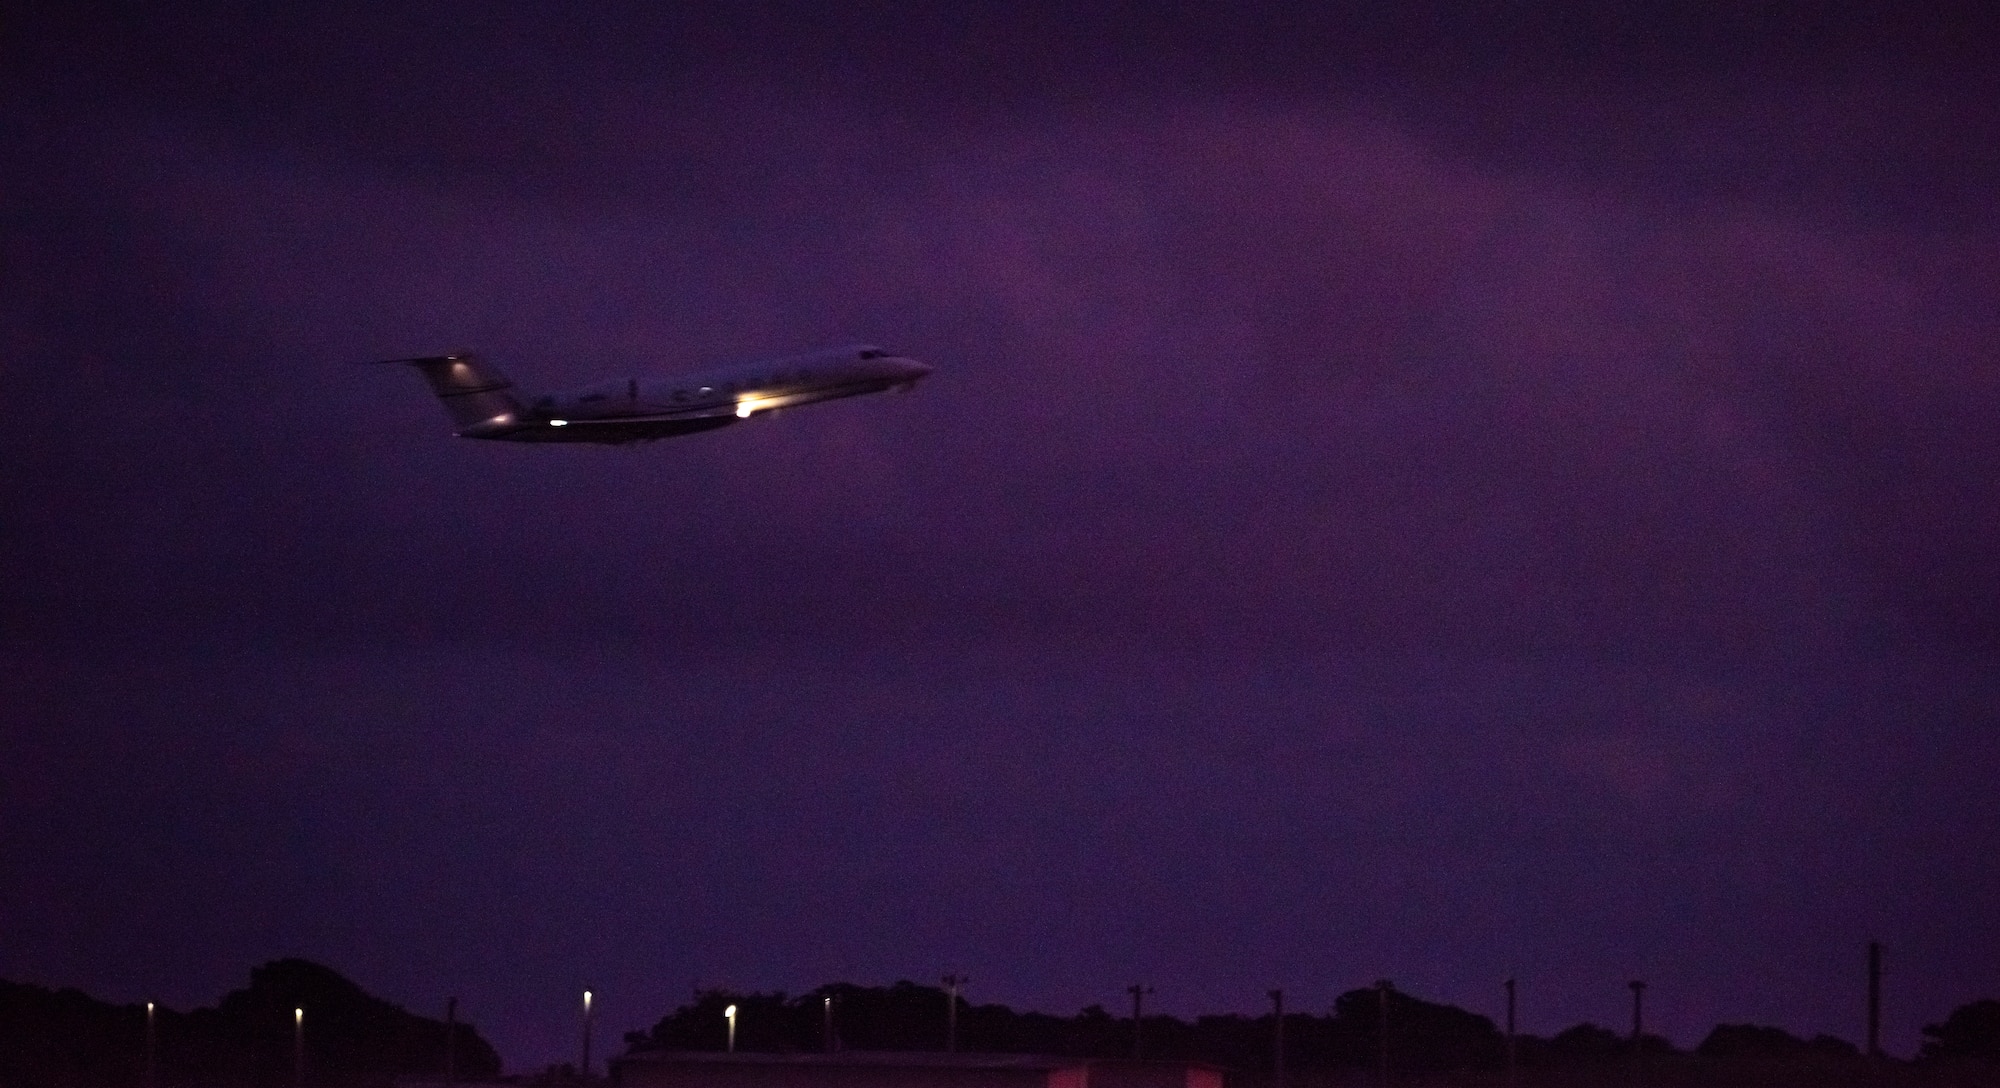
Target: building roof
909,1059
903,1059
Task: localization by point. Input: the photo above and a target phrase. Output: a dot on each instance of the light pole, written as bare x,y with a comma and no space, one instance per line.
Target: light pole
586,1034
1638,1026
1382,989
826,1023
1874,999
1138,993
951,985
729,1014
151,1045
299,1048
1278,1038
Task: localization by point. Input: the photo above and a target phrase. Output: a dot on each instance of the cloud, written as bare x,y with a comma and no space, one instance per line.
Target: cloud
1235,374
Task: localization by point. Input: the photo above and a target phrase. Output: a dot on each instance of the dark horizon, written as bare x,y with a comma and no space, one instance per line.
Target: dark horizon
1471,491
65,1036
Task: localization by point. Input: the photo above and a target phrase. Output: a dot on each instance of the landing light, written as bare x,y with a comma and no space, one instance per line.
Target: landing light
559,423
751,404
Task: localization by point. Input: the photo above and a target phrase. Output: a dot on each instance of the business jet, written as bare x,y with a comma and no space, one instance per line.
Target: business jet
482,403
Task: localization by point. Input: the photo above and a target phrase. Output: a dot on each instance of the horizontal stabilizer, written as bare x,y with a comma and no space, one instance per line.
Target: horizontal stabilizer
474,394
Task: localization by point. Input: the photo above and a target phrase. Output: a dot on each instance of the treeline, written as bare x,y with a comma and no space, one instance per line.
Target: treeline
1423,1038
907,1016
66,1039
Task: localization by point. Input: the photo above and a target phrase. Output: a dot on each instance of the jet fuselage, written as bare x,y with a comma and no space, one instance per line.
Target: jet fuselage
482,405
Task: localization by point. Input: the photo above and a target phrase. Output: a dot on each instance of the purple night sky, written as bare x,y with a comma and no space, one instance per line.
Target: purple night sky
1489,490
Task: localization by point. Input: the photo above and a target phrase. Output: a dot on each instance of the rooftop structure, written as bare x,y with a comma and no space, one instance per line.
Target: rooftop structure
900,1069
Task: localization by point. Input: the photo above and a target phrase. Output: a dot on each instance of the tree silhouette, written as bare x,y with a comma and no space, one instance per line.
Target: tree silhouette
1588,1042
1754,1041
1424,1037
1971,1031
64,1038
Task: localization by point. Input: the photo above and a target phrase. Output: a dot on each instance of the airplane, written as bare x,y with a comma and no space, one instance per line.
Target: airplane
482,403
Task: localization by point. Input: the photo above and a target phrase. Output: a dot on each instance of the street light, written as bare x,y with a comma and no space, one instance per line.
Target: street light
1638,1011
1138,992
299,1047
1278,1038
1382,988
1638,1027
586,1034
151,1046
951,985
730,1015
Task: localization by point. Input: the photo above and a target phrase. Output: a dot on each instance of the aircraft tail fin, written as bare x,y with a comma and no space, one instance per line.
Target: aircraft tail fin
475,395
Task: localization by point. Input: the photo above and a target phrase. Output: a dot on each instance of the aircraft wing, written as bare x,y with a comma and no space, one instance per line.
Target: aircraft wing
707,411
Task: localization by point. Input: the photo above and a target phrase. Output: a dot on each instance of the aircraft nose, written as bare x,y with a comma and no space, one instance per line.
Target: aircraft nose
912,368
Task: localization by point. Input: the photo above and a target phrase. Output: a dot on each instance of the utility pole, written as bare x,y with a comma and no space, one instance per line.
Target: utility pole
1513,1051
1874,999
1138,993
152,1046
1278,1038
586,1035
951,985
450,1042
1382,989
1638,1026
